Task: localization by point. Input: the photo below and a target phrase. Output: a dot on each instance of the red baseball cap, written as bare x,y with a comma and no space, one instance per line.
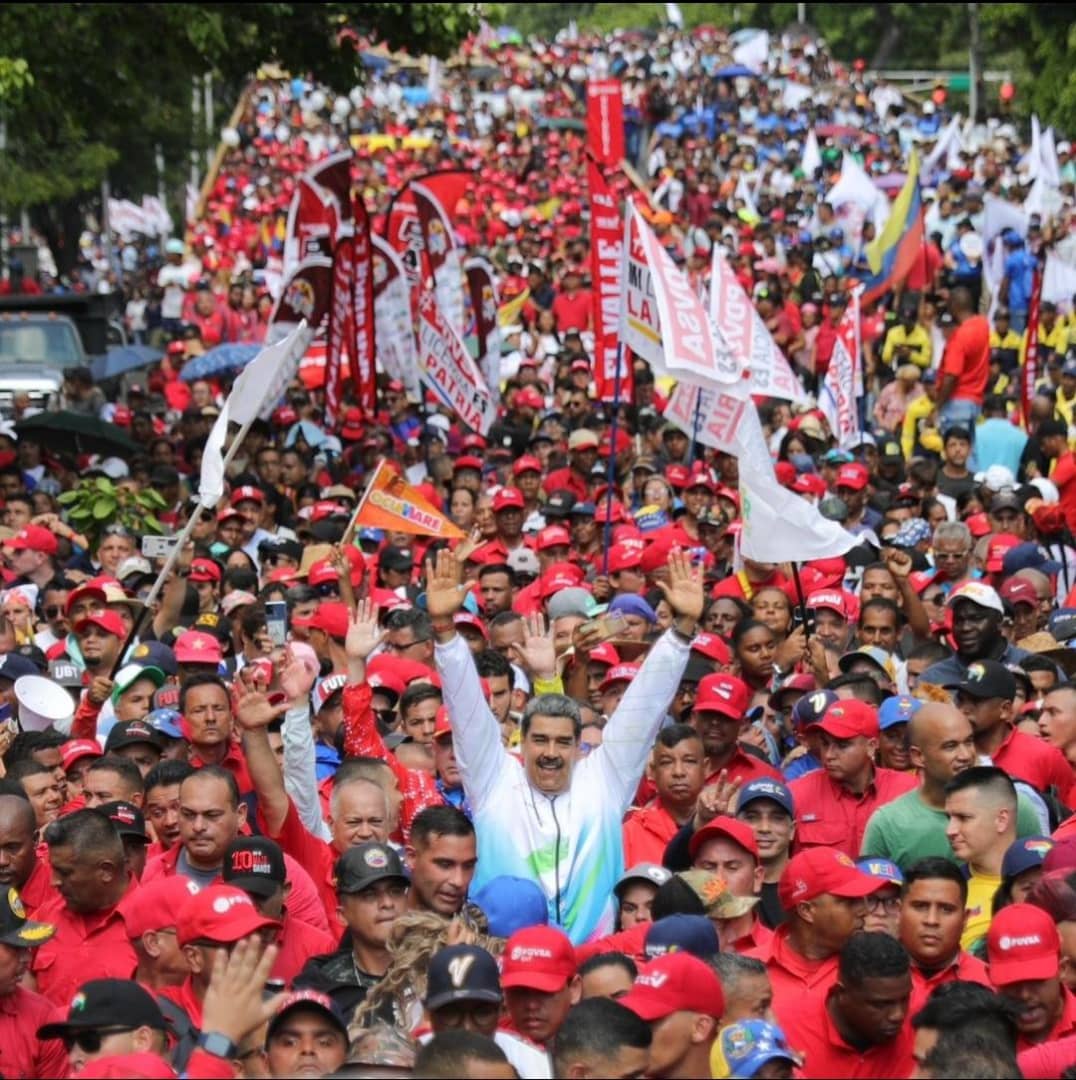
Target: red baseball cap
846,719
978,525
527,463
156,905
465,618
820,870
508,498
529,398
227,514
467,462
624,557
77,749
473,441
809,484
33,538
853,475
723,694
561,576
1022,945
1018,590
248,491
712,646
828,572
204,570
675,982
194,647
679,476
108,621
843,603
220,914
619,673
332,616
538,958
605,653
88,589
739,832
996,549
441,725
786,473
321,572
553,536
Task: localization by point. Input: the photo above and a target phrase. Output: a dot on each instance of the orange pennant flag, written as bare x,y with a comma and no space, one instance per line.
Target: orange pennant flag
392,503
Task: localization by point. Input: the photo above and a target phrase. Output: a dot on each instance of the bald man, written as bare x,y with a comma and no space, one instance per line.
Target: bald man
913,826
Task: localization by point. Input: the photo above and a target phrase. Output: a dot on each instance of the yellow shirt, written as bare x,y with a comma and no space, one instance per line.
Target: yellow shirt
1050,341
910,434
917,341
980,907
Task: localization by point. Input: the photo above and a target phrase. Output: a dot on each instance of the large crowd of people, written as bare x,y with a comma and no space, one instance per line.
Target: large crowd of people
588,792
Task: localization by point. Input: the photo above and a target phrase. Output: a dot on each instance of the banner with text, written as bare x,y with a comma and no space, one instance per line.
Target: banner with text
448,369
482,290
605,121
606,268
837,398
394,326
362,347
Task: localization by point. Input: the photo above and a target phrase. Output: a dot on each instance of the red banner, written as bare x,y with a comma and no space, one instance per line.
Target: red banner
341,335
1030,374
334,175
362,345
312,223
442,254
307,294
605,121
487,332
606,266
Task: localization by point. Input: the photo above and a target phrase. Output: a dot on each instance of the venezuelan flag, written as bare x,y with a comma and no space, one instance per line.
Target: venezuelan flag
894,250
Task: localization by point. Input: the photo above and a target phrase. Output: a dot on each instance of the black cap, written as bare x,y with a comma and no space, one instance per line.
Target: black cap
280,545
1062,624
128,819
558,505
16,929
107,1003
365,865
1005,500
394,558
254,864
986,679
155,654
583,509
462,973
13,666
130,733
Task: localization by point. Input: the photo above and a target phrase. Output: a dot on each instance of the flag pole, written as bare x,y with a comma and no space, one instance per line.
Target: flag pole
802,601
174,554
349,532
695,424
610,478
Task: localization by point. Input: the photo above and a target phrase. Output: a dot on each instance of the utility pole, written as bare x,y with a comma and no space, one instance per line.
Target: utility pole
210,140
975,66
801,13
196,111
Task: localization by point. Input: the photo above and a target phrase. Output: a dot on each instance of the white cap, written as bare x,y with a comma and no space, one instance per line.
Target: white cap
998,477
43,704
1047,489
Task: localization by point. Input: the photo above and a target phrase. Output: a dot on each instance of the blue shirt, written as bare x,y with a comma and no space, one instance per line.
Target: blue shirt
997,442
1018,269
808,763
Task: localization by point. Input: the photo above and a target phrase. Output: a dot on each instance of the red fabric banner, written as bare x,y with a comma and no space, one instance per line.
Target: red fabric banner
362,344
606,267
1030,374
605,121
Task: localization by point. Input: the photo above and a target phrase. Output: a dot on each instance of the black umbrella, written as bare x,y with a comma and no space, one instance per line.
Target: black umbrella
74,433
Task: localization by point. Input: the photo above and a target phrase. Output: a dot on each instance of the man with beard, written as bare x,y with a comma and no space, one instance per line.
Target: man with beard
977,616
550,798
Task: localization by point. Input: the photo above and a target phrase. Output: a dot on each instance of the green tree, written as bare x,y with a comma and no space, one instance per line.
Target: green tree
93,89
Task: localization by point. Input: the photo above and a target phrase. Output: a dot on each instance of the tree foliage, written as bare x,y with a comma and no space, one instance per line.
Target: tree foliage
86,88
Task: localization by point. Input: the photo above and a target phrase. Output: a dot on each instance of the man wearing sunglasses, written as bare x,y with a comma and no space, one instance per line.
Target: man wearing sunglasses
21,1011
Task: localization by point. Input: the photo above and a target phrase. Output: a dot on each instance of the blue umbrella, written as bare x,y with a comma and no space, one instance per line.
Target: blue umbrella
219,360
735,71
123,358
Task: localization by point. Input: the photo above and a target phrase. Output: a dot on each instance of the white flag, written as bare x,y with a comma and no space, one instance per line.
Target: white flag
211,482
999,215
674,16
1050,166
812,156
1033,158
754,52
780,526
948,144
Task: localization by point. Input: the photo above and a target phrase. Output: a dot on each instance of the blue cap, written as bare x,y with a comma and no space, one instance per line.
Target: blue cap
1062,624
693,934
750,1044
1028,557
583,509
767,788
634,605
1027,853
15,666
809,709
881,868
929,378
165,721
155,654
913,531
373,536
897,710
510,904
837,457
1069,368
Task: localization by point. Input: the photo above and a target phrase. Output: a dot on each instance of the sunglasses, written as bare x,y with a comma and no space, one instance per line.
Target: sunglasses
53,611
328,588
89,1042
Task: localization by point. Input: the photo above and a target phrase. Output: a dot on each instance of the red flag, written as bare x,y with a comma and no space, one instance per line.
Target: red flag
606,250
307,294
334,175
361,346
1030,374
312,223
605,121
442,255
341,334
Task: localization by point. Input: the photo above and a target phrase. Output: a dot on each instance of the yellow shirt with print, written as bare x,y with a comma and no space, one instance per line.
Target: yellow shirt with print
1054,341
917,341
910,434
979,908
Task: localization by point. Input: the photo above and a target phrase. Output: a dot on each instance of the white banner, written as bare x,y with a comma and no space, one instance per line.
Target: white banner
836,398
443,254
812,155
744,332
449,370
715,419
394,327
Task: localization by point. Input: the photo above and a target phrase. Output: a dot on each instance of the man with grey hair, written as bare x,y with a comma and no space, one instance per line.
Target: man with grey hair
952,552
746,982
550,817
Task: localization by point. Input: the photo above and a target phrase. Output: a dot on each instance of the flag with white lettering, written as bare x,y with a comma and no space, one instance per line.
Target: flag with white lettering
447,367
312,224
606,268
747,336
837,398
688,346
394,325
362,343
605,120
442,255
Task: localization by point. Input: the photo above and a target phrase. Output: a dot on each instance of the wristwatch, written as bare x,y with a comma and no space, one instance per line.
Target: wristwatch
213,1042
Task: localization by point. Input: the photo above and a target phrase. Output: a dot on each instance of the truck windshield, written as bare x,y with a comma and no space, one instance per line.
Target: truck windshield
53,344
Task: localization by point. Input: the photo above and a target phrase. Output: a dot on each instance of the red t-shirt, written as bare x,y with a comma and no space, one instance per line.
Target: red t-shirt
647,832
925,268
573,311
967,357
1064,476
